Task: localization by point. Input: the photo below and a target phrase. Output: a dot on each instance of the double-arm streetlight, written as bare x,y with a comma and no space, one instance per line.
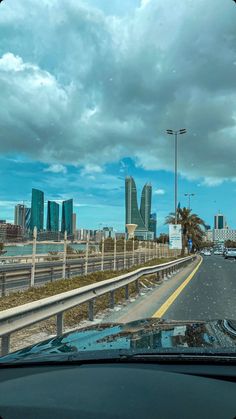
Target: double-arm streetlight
176,133
189,198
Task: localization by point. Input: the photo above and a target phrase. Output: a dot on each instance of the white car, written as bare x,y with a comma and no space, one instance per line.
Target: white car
207,253
230,254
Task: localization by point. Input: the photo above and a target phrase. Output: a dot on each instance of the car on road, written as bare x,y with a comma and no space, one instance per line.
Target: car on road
218,252
207,253
230,253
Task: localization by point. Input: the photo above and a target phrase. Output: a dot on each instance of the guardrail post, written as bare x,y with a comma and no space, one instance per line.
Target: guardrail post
125,253
33,257
102,260
3,284
137,286
133,252
127,292
86,256
112,299
59,324
64,256
5,344
114,254
91,310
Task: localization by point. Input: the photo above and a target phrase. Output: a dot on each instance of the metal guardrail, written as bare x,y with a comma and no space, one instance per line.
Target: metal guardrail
17,318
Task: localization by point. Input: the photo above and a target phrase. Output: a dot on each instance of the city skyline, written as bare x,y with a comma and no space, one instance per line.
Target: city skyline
102,200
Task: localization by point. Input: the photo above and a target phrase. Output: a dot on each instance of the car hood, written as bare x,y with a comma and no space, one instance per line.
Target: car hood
141,336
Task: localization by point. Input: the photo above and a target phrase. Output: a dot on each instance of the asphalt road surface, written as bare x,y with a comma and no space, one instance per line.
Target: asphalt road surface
207,295
211,293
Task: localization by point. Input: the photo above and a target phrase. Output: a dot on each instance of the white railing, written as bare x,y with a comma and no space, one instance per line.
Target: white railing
41,269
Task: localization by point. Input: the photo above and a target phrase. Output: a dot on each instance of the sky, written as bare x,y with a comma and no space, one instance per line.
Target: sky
88,89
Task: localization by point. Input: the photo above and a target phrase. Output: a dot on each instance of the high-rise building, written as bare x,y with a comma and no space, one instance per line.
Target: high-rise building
27,218
19,218
74,223
37,209
53,216
67,217
146,204
219,222
132,213
153,224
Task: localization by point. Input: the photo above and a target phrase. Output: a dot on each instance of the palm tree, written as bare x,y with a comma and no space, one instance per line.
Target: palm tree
191,226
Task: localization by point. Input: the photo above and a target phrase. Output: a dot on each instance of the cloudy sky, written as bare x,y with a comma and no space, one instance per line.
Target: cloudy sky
88,88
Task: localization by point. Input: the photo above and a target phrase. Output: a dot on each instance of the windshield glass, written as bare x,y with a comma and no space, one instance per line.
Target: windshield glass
117,150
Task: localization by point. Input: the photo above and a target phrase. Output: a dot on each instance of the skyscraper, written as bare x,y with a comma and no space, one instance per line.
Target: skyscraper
53,216
67,217
153,224
20,215
27,218
37,209
146,203
133,215
219,222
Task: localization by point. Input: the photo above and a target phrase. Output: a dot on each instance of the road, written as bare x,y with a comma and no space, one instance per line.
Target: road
208,294
211,294
18,275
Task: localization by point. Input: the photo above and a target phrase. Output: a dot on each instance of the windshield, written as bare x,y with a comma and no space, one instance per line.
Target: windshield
117,198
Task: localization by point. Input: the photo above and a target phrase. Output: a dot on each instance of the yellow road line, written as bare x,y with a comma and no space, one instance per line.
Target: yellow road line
161,311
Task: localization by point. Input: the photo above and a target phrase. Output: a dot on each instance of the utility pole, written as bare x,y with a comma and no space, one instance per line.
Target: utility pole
176,133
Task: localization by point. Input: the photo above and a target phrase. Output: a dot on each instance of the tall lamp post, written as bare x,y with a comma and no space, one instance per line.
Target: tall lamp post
189,198
176,133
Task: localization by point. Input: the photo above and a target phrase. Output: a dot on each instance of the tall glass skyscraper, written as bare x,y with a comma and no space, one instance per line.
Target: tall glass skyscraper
37,209
142,217
27,218
53,216
220,222
132,213
146,204
153,224
67,217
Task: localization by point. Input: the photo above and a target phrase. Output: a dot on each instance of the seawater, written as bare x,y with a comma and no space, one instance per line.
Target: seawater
40,249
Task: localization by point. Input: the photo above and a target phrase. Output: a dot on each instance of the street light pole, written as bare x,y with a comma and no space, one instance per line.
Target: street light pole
176,175
176,133
189,199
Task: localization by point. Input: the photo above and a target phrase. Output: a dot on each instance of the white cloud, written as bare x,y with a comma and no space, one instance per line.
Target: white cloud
56,168
91,169
211,181
119,83
159,192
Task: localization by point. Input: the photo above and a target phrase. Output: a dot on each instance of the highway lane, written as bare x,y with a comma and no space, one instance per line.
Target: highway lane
211,293
196,293
23,282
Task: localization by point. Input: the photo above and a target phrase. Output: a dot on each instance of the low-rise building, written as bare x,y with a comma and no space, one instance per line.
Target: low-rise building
221,235
10,233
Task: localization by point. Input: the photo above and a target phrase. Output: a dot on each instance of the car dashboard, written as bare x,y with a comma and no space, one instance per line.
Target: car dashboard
118,390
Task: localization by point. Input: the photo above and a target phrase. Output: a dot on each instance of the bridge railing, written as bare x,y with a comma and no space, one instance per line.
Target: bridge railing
17,318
